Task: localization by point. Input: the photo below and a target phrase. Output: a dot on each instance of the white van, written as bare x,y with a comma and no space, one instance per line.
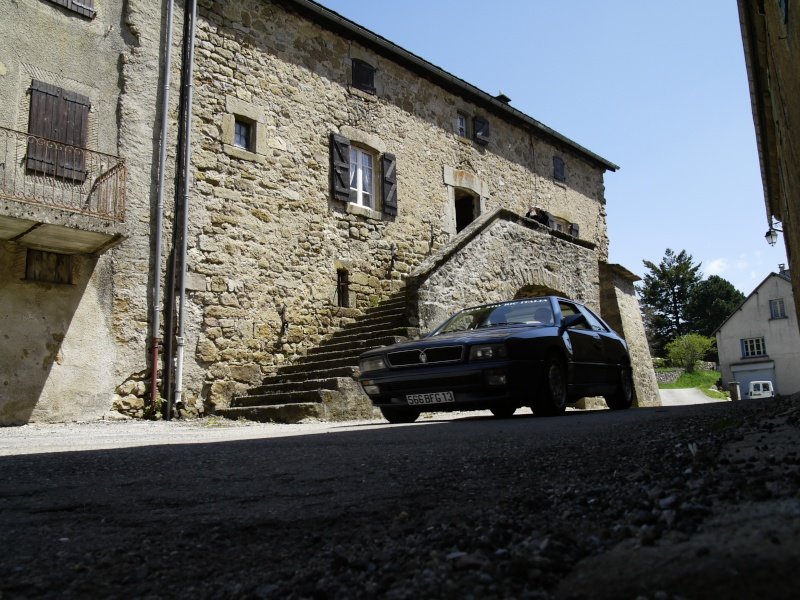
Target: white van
760,389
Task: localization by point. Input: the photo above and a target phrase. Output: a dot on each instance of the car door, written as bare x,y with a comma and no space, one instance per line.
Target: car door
614,351
587,349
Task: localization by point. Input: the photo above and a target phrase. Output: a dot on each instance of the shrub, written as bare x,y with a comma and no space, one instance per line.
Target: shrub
686,350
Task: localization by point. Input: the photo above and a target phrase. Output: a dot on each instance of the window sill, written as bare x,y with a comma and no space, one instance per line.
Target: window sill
779,318
559,183
362,94
241,153
363,211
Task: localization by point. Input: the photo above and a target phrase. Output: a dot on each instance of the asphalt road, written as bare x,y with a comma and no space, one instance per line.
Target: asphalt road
219,509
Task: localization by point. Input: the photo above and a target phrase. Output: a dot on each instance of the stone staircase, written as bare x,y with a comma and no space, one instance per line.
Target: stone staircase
322,385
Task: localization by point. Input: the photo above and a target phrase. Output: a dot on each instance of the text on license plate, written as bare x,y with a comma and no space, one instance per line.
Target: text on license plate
431,398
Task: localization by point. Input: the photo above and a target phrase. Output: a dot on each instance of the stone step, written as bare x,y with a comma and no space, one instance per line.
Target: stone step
271,385
368,333
280,413
360,345
273,399
345,371
317,365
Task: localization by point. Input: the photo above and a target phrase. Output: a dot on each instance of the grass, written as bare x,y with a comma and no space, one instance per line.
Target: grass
702,380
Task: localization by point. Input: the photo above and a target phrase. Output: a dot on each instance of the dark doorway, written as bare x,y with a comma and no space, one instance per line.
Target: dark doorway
467,208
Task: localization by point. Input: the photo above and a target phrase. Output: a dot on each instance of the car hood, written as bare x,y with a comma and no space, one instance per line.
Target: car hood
489,335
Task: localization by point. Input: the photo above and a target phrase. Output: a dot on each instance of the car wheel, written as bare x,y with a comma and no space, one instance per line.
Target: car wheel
622,397
553,399
400,414
503,411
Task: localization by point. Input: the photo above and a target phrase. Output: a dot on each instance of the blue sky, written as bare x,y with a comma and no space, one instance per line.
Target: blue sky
659,88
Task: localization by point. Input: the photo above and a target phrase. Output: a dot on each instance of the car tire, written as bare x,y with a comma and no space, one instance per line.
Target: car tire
553,400
503,411
400,414
622,398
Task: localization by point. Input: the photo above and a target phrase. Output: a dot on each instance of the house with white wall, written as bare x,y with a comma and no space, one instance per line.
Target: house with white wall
761,339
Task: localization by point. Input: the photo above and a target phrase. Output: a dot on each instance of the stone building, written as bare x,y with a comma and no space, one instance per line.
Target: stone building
336,179
771,39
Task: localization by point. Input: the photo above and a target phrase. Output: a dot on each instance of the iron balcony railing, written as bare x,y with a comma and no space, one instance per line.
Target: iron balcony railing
46,173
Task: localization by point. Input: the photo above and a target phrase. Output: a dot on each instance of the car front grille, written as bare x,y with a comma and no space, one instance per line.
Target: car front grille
427,356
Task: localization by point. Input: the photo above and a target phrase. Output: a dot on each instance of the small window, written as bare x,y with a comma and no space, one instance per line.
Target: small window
784,7
559,173
82,7
363,76
243,134
777,309
752,347
462,129
342,288
481,130
48,267
362,180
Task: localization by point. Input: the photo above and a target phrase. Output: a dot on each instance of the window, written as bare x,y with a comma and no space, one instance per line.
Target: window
82,7
777,309
363,76
342,288
48,267
58,123
753,347
353,175
362,189
559,173
462,129
242,135
481,130
784,8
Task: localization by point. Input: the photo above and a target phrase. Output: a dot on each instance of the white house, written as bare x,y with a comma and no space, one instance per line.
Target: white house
761,339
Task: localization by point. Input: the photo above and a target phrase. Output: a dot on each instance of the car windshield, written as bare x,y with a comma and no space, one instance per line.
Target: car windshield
535,312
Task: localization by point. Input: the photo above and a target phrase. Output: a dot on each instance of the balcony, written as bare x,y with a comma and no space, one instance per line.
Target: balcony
57,197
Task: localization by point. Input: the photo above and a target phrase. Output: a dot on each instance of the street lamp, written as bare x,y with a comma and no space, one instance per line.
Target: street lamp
772,235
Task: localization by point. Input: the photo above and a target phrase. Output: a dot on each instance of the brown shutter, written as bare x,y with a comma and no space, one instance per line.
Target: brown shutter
481,130
389,184
60,120
340,167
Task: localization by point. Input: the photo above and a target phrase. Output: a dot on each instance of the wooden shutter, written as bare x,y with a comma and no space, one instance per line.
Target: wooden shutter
340,167
60,120
389,181
574,230
558,169
480,127
363,76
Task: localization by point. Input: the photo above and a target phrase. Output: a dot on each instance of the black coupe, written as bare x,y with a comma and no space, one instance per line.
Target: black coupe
544,352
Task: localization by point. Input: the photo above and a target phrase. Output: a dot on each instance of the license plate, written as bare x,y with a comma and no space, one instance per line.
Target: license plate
432,398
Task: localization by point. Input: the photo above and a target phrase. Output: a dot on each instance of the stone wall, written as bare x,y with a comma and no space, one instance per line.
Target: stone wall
494,259
620,308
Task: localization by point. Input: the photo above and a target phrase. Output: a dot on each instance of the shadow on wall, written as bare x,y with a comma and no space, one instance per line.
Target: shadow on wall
35,318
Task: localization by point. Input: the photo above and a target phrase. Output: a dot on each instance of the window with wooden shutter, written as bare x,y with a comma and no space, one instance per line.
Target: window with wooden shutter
340,167
363,76
481,131
48,267
559,173
82,7
58,123
389,187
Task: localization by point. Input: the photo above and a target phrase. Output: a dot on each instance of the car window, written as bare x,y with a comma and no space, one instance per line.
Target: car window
536,311
594,321
567,310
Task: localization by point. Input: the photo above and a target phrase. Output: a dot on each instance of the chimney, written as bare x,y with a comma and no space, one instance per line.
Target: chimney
782,269
502,98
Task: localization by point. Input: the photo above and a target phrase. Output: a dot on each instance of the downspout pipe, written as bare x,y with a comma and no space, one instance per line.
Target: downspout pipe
184,216
155,331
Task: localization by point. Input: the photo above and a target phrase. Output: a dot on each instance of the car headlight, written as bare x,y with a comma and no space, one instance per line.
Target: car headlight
487,352
371,363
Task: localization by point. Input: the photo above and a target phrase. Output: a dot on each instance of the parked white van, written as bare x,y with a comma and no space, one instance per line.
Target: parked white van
760,389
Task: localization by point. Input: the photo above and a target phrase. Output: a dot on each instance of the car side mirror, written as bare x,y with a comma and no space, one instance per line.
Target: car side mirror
571,321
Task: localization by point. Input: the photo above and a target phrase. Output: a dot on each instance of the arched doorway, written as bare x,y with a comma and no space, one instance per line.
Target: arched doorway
534,290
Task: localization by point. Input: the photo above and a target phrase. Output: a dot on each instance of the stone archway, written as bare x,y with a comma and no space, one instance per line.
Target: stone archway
534,290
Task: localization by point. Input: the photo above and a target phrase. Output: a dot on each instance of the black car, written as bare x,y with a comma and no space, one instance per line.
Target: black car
544,352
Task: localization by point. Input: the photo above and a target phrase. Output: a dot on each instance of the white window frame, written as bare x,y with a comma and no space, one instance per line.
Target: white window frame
753,347
358,193
777,309
462,125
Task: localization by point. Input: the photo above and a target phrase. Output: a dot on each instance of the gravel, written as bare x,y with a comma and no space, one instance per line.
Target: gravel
692,504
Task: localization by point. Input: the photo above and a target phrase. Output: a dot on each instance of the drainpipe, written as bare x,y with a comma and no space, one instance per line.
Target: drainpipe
155,332
184,216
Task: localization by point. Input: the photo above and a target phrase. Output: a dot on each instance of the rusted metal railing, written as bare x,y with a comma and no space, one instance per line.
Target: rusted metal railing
46,173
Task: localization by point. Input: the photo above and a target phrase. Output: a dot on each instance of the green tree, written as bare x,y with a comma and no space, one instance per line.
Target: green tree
665,293
686,350
711,302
